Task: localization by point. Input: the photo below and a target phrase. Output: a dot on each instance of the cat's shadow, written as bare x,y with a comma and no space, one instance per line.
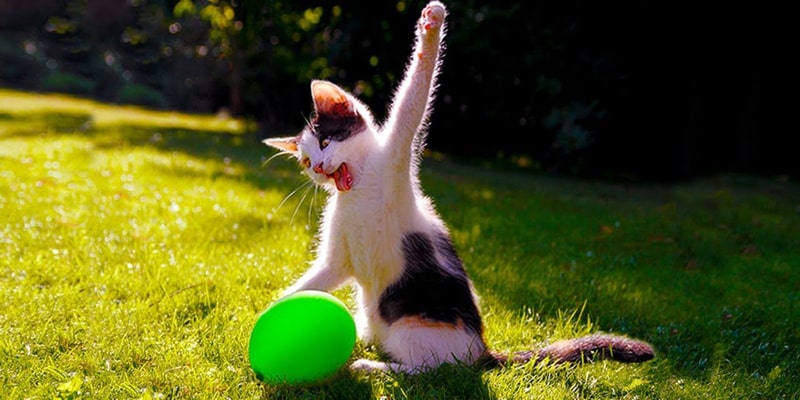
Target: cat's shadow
446,382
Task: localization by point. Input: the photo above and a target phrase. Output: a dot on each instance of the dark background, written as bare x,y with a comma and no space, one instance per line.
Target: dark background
629,90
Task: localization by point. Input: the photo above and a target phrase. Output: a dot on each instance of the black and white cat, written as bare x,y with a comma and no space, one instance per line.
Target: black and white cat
380,233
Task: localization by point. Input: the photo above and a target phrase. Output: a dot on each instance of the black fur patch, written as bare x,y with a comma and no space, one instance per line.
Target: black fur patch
429,290
336,127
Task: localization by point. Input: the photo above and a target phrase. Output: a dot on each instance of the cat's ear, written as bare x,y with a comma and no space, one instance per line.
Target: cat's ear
286,144
331,99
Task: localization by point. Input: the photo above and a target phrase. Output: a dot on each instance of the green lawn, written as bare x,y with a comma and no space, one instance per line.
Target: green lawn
138,247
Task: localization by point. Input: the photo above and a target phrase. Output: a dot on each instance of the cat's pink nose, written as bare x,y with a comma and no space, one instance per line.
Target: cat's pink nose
318,169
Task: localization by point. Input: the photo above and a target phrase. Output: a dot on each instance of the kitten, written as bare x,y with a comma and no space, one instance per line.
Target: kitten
380,233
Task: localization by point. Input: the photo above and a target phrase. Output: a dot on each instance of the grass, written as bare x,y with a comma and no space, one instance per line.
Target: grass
138,247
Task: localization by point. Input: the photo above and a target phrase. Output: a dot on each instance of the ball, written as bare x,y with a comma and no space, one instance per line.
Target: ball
302,338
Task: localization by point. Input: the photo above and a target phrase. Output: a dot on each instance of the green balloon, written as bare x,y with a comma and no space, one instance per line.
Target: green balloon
302,338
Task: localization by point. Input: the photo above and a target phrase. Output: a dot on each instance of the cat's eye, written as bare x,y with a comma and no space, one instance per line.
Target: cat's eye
306,162
324,143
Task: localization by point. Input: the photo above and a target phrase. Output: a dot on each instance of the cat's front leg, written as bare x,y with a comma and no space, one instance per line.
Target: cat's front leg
413,97
366,365
322,276
432,18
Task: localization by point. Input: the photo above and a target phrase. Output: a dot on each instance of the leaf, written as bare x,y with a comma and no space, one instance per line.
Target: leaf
635,384
775,373
184,8
71,386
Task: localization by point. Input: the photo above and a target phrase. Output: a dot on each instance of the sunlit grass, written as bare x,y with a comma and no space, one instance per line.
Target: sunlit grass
138,247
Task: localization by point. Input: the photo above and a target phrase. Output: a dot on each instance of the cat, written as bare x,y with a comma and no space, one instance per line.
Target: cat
380,233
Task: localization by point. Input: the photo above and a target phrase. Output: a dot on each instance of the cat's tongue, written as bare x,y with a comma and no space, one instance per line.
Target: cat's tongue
342,178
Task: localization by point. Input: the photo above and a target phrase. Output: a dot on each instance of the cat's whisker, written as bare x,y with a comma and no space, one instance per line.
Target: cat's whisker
300,203
276,155
312,205
292,193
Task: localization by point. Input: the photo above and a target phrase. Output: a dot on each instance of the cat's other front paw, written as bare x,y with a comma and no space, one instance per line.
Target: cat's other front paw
364,365
432,16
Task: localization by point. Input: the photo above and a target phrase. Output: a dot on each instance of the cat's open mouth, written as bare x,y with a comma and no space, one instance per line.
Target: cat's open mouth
342,178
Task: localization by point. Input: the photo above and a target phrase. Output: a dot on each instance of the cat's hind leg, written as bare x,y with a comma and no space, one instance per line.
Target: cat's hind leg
417,345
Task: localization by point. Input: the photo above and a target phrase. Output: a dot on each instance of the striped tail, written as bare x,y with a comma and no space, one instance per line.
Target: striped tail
584,349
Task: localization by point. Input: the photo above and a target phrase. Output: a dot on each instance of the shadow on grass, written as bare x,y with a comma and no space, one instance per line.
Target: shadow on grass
699,270
34,123
342,386
352,385
244,150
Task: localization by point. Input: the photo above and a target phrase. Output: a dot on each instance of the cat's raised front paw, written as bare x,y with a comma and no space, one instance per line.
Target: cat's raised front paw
432,16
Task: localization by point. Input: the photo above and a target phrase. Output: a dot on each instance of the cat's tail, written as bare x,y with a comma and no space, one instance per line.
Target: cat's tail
584,349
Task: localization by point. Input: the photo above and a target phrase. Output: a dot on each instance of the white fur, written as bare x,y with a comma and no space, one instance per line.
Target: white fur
420,349
363,228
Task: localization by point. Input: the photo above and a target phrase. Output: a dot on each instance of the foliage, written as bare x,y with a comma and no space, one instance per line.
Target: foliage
17,63
65,82
138,248
133,93
566,121
218,15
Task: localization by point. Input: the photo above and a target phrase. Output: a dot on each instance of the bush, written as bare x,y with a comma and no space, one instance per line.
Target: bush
65,82
134,93
16,64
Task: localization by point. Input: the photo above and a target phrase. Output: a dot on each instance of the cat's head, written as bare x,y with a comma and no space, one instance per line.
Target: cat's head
332,147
